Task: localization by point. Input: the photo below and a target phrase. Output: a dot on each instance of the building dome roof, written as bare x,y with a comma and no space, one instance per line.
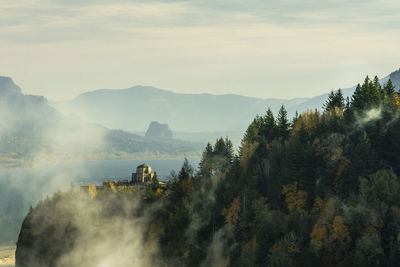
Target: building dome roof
143,166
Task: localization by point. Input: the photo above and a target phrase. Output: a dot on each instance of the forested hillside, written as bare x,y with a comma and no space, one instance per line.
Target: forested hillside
321,189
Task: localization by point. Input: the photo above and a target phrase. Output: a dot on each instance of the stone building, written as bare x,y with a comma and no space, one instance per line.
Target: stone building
143,174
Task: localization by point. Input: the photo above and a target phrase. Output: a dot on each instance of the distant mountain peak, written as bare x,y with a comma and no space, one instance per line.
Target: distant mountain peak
395,77
158,131
395,74
137,89
8,86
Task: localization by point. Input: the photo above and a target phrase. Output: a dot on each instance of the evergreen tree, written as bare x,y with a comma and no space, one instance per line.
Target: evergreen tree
269,126
368,95
335,100
323,197
363,162
357,98
283,123
376,93
205,165
295,119
252,133
219,147
186,171
389,89
228,152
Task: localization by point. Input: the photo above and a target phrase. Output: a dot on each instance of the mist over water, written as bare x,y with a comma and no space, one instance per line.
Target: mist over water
22,188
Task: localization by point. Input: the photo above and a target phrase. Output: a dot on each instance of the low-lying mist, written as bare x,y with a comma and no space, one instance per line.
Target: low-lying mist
42,151
121,226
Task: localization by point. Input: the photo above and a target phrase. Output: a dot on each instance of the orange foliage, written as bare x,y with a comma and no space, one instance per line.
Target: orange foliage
309,119
295,198
396,100
232,214
339,230
158,191
319,234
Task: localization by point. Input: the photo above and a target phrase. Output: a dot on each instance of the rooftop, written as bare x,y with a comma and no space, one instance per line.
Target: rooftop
143,166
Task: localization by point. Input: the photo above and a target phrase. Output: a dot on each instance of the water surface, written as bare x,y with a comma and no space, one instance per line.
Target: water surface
22,188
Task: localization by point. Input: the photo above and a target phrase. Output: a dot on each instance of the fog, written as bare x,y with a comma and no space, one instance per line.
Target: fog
107,228
42,151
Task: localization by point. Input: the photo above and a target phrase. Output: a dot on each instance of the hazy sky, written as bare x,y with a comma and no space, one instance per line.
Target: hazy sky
263,48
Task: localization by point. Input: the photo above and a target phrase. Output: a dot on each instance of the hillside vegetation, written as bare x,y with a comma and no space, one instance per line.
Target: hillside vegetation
320,190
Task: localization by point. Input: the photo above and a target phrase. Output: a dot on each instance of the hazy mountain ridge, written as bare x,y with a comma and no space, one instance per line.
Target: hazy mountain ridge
31,130
134,108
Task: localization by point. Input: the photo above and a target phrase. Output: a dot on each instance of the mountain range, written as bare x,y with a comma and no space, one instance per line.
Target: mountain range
33,131
190,116
101,124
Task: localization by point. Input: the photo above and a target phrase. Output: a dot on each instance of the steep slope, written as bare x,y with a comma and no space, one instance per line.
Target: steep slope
23,122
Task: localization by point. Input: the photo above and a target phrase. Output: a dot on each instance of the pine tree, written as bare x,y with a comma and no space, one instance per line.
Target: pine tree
376,92
205,164
368,95
219,147
295,119
363,162
335,100
356,98
283,123
269,126
228,152
252,133
389,89
186,171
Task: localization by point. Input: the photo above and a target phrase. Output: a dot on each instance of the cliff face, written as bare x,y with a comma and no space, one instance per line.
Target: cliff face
157,130
7,86
24,121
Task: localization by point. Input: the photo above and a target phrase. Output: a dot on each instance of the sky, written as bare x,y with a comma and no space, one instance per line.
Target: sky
260,48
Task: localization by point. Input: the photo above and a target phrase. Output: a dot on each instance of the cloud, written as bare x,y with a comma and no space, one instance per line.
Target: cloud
62,48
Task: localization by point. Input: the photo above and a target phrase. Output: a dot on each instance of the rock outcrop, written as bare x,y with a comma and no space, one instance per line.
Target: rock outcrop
157,130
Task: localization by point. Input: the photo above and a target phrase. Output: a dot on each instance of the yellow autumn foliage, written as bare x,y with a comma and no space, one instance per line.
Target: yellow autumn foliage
159,191
112,186
232,215
396,100
309,119
319,234
92,191
295,198
339,230
247,152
